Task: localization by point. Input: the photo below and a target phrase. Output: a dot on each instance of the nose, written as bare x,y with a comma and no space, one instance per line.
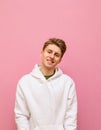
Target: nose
52,55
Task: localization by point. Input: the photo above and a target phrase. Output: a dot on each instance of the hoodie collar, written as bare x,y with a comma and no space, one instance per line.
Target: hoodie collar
38,74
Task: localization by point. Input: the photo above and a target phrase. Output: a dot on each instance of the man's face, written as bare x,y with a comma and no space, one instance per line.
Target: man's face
51,56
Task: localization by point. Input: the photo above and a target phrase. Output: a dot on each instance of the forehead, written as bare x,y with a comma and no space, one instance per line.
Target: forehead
54,48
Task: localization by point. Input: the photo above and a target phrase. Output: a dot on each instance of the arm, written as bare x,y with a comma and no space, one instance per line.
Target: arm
21,110
70,121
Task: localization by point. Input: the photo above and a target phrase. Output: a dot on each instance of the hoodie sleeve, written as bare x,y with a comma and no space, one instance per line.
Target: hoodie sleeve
70,121
21,110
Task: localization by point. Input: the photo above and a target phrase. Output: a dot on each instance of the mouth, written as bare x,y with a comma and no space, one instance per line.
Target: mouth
50,61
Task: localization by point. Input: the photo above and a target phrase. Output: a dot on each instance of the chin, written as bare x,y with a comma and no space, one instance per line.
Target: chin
50,66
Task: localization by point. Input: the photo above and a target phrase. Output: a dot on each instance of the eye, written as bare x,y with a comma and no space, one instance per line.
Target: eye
57,55
49,51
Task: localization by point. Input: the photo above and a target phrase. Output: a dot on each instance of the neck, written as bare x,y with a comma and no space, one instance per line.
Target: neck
46,71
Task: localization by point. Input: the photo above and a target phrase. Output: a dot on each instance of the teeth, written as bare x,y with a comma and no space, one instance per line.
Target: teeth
50,61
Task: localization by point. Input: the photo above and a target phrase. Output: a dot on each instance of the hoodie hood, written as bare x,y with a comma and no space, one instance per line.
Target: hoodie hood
38,74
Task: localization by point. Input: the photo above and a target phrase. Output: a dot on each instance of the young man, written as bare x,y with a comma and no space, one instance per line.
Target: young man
46,98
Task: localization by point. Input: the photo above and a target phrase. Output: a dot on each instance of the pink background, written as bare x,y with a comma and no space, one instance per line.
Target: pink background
26,24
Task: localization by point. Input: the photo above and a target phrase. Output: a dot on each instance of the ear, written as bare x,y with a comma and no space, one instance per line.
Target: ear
41,53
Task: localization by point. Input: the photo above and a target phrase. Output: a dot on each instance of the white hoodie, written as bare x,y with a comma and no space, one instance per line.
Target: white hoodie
46,104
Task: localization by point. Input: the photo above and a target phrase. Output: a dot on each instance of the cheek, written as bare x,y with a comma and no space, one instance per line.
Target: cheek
58,60
42,56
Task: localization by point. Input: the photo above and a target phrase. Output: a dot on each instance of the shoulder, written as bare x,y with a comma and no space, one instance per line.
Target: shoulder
68,80
24,79
67,77
23,83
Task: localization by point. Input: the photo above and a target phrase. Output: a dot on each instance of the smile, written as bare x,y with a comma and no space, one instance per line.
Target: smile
50,61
